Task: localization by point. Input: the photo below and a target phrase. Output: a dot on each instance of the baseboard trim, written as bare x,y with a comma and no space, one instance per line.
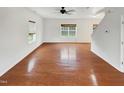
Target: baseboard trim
67,43
14,64
108,62
33,51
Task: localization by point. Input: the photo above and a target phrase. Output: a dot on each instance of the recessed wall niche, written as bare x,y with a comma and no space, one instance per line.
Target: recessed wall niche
32,31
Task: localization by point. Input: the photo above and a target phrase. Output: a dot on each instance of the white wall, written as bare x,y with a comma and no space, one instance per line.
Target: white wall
107,45
13,36
84,29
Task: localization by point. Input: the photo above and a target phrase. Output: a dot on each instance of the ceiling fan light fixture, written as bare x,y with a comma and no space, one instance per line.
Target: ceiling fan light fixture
64,11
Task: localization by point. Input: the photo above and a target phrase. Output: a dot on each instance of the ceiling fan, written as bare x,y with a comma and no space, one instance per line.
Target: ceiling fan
64,11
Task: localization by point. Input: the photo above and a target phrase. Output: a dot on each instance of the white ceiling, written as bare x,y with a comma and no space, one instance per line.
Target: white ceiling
80,12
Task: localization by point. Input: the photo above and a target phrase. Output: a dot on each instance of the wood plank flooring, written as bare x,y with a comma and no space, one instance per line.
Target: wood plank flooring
63,64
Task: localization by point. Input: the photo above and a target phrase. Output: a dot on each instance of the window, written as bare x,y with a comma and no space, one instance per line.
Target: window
68,30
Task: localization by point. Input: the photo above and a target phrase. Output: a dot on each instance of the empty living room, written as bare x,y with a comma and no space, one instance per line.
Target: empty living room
61,46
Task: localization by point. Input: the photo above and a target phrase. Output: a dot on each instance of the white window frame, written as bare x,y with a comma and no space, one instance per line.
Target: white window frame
68,36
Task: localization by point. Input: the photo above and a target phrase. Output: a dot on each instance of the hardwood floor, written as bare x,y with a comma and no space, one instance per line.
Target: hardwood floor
63,64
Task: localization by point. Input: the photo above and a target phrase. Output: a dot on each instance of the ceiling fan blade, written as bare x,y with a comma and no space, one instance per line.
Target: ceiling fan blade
68,13
87,7
56,12
71,11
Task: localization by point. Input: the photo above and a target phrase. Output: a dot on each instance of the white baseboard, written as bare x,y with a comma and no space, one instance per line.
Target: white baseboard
69,42
107,61
7,67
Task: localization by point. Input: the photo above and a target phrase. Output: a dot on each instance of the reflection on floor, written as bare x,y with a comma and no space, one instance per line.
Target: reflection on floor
63,64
